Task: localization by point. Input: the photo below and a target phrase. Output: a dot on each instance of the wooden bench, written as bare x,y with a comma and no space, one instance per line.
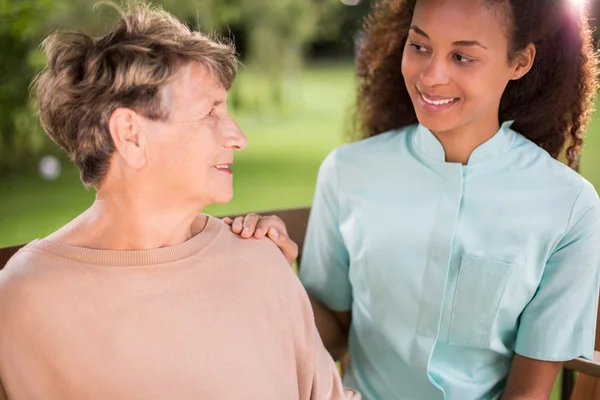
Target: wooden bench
585,387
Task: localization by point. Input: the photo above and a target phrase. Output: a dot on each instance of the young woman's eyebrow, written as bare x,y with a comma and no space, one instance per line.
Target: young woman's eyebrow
461,43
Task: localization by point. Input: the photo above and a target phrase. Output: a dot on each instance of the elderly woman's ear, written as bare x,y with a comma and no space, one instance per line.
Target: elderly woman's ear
127,131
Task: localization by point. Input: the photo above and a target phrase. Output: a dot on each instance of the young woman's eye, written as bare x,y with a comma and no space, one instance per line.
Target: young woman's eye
462,59
418,48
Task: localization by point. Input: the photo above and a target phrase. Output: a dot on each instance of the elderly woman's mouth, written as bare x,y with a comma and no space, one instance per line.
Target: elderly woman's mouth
224,168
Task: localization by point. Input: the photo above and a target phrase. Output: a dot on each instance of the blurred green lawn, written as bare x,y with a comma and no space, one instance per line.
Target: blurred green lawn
277,170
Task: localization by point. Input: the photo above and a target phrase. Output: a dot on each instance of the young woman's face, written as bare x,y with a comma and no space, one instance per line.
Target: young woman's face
455,63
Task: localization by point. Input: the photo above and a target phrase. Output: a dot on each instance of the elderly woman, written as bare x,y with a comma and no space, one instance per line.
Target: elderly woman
141,296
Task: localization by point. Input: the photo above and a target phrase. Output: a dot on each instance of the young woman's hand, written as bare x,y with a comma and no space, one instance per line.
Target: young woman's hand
258,226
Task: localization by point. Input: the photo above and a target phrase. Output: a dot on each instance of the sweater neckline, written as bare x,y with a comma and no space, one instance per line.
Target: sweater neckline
137,258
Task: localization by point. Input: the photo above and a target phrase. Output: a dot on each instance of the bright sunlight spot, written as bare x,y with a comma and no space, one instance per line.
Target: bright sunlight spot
578,3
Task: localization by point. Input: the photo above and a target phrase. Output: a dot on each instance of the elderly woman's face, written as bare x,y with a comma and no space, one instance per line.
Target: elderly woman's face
193,150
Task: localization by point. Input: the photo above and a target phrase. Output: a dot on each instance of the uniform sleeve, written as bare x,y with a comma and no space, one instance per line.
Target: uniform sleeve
559,323
325,259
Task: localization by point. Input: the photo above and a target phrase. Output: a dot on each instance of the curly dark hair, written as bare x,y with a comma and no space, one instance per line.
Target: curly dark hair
551,105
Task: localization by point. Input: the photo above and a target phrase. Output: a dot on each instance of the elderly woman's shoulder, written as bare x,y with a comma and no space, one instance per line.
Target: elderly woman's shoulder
252,248
23,264
24,274
258,254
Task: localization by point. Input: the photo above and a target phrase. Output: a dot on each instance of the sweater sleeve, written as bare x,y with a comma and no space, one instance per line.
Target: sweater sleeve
318,376
326,382
3,395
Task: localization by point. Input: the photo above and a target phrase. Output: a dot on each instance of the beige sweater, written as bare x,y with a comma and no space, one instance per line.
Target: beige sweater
216,317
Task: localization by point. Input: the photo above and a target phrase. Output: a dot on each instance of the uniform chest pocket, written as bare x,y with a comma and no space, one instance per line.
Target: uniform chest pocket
479,290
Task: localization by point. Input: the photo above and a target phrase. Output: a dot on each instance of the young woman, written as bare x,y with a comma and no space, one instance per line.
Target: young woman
450,249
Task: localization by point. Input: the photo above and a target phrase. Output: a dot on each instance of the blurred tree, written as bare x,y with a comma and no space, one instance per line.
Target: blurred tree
276,35
593,11
20,26
340,39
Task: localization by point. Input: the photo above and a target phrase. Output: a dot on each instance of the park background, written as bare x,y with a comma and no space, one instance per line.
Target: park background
294,99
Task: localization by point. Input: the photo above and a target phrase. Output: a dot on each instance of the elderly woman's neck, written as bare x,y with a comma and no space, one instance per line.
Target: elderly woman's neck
116,223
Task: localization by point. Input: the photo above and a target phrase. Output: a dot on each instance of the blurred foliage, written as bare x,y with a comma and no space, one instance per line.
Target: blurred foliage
273,37
20,26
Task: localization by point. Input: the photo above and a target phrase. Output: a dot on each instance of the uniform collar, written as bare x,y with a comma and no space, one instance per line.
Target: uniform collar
426,142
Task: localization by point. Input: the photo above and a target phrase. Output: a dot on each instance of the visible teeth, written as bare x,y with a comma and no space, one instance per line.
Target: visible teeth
438,102
222,166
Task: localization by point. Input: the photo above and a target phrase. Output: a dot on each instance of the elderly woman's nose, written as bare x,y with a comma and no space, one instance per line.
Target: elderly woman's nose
234,137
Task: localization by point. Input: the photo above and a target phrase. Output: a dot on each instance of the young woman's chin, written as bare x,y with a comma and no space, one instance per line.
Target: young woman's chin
438,123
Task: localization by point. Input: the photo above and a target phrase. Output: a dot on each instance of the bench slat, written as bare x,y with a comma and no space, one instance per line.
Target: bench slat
6,253
588,367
